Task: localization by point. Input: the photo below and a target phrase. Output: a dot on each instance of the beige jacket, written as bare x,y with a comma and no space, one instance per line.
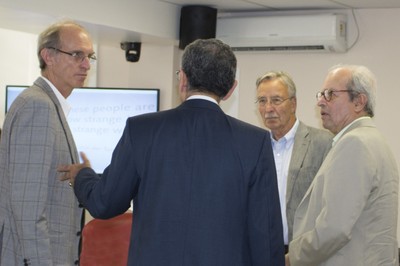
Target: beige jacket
348,216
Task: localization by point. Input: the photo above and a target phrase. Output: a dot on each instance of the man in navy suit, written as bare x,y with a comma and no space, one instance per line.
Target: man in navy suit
203,183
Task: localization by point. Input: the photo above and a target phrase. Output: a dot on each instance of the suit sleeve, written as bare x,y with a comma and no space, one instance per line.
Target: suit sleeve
31,152
111,194
348,182
265,222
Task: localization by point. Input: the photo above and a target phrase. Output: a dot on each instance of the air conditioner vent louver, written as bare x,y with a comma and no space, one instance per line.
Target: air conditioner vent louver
280,48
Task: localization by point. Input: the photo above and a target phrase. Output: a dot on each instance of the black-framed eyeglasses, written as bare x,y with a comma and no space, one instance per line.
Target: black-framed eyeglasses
327,94
177,74
78,56
274,101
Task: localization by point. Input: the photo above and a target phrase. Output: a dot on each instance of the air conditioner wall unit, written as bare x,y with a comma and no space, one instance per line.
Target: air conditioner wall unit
319,32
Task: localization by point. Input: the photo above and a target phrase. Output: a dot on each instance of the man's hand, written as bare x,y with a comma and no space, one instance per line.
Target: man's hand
70,171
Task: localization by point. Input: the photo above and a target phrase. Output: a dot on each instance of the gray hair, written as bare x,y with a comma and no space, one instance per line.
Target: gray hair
282,77
362,81
210,66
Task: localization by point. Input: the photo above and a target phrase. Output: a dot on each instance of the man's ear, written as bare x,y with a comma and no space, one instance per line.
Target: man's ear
360,101
230,91
183,85
47,56
294,106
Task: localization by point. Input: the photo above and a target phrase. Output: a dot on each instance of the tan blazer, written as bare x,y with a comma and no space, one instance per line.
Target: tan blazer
309,150
348,217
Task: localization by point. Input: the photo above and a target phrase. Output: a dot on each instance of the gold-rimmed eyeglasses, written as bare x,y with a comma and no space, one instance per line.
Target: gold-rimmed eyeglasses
274,101
78,56
328,93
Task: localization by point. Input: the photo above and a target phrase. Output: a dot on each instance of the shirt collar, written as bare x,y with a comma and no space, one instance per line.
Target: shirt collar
65,106
202,97
338,135
289,136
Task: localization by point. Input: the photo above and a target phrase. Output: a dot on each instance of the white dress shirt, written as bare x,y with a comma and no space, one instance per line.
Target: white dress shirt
202,97
282,153
66,107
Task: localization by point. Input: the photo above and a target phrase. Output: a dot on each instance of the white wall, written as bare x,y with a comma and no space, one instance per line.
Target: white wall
155,69
134,16
377,48
18,64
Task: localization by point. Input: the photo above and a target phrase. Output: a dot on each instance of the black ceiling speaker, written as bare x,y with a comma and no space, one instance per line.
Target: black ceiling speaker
132,50
197,22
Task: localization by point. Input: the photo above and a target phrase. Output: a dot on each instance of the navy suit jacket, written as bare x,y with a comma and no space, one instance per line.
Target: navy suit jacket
204,189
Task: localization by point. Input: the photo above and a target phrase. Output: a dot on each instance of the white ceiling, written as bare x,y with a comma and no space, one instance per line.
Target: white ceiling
284,5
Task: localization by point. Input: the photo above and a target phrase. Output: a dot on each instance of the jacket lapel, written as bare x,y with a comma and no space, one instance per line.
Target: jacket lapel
41,83
300,147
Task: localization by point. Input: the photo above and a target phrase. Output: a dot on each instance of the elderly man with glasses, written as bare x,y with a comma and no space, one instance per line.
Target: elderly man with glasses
349,214
298,149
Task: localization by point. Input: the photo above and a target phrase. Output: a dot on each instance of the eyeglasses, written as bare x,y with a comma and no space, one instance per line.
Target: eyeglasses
78,56
274,101
177,74
327,94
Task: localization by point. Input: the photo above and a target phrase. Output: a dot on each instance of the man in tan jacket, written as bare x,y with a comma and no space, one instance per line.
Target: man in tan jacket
349,214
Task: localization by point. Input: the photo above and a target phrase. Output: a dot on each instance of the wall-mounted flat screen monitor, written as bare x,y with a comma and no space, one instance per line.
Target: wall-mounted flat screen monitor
98,116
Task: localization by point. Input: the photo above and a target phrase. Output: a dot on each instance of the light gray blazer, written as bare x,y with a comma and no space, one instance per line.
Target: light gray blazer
349,214
40,220
309,150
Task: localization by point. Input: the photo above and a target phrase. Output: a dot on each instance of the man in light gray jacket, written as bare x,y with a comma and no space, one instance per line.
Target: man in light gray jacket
298,149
